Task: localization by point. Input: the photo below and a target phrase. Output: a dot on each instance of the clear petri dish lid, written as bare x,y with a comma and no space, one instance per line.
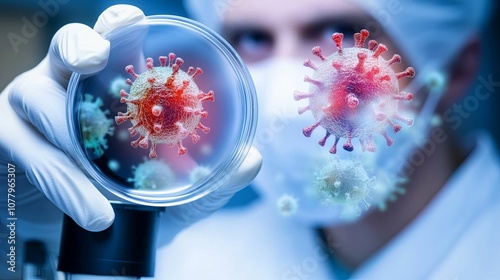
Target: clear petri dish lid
161,132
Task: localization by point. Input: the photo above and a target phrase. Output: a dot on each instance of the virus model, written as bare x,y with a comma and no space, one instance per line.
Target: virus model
354,93
164,104
152,174
287,205
95,125
345,183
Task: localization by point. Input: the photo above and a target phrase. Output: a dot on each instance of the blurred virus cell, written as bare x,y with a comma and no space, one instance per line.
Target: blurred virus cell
198,173
116,85
164,104
152,174
354,93
114,165
95,125
345,183
388,187
287,205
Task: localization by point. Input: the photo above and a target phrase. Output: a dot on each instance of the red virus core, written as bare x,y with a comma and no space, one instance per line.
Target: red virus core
355,93
164,104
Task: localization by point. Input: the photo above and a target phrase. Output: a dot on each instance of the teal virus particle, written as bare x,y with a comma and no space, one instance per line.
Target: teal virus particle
345,183
95,125
152,174
287,205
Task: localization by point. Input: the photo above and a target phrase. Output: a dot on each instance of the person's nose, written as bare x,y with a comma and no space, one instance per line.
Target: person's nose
287,44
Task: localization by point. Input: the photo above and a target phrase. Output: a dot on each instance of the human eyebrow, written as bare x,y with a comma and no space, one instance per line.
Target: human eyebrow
232,32
252,42
346,24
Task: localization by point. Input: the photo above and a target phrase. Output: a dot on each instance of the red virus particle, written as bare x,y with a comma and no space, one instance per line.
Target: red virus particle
354,93
164,104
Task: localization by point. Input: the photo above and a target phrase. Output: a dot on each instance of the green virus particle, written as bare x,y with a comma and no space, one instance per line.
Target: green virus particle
198,173
152,174
345,183
95,125
287,205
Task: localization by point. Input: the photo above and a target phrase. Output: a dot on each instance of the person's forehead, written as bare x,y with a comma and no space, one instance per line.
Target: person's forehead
291,13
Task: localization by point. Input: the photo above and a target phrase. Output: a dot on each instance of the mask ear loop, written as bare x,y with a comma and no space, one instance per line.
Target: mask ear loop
436,82
388,162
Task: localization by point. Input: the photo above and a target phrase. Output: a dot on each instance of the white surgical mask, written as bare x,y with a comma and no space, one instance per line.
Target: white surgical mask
292,162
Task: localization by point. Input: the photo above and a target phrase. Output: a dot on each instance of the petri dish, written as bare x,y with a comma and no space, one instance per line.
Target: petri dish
165,103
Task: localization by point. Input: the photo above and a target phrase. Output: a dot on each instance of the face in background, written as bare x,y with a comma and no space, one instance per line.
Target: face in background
261,29
284,33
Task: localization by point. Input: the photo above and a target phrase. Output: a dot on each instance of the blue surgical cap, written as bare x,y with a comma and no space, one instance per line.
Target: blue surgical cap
429,32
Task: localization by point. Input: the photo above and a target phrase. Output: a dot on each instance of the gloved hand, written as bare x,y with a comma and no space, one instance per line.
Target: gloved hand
35,135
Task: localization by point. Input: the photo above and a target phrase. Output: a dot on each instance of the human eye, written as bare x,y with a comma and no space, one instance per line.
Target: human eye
251,43
320,32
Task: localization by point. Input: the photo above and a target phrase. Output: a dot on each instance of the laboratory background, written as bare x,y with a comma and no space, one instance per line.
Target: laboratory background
286,210
25,55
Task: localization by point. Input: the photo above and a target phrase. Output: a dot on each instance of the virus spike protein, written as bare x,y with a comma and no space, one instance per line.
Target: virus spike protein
354,93
164,105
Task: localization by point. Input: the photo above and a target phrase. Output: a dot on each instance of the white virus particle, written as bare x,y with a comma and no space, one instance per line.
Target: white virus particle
287,205
117,84
345,183
95,125
114,165
152,174
198,173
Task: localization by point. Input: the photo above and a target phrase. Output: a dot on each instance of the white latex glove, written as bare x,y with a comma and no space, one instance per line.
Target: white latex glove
35,135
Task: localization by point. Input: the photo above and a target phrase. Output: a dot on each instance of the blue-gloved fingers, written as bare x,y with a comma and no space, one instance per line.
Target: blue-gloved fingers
53,172
117,16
